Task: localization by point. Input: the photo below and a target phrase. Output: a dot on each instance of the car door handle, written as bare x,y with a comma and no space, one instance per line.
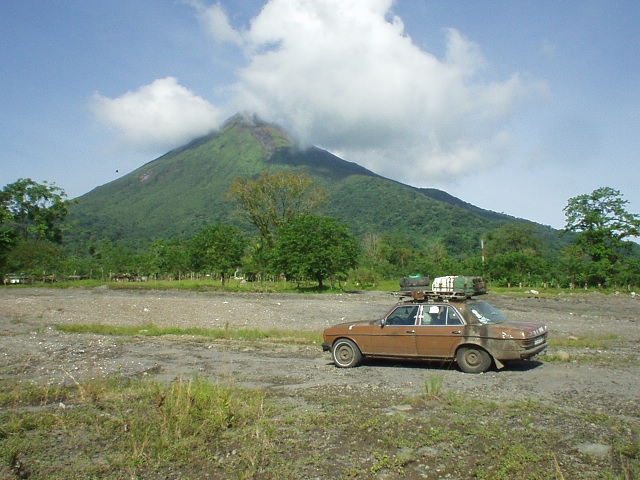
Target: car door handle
410,331
456,332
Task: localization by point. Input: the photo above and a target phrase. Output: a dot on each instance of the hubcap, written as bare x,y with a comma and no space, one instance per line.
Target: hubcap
473,358
344,354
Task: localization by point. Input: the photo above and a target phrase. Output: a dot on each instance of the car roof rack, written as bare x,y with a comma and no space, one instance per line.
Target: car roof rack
420,296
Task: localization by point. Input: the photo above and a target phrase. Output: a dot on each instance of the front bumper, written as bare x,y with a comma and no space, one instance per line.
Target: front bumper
326,346
533,351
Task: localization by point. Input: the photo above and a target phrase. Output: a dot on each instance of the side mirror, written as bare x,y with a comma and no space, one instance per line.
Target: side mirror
383,322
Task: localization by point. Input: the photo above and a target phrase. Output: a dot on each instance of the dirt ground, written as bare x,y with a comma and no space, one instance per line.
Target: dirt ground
31,349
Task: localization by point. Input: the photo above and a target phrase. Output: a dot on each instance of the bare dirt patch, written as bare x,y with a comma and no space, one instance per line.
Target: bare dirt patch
597,379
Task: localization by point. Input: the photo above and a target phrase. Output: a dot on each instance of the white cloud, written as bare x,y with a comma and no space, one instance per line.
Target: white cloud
346,76
163,114
217,24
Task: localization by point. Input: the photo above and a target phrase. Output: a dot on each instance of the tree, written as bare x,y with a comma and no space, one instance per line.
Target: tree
217,248
35,210
30,212
572,264
602,224
7,235
169,257
513,254
316,247
513,238
35,258
273,199
516,267
114,259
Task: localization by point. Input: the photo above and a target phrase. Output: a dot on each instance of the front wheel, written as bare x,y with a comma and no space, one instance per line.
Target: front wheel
473,359
345,353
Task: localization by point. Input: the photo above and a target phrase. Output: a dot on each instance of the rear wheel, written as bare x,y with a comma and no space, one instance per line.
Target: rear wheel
345,353
473,359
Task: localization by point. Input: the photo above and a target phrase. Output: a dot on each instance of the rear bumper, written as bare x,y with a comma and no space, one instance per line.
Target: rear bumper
326,346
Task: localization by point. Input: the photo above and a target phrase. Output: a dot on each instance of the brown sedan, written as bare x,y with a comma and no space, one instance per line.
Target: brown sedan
471,332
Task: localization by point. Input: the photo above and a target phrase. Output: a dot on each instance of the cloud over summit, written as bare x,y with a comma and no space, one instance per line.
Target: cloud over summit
347,77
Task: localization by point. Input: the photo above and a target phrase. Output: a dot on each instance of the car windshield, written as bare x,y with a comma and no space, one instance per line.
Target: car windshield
487,313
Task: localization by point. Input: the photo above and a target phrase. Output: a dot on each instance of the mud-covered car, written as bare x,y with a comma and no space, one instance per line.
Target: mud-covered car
470,332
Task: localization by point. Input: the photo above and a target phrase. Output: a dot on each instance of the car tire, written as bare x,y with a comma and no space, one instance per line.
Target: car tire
345,353
473,359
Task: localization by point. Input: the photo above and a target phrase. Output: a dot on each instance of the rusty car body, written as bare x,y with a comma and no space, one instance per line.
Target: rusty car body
470,332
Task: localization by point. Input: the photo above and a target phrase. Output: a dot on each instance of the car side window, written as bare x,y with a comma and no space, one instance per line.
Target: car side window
453,317
440,315
433,315
403,315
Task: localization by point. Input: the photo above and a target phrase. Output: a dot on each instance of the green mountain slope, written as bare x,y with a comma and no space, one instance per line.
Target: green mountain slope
179,192
184,190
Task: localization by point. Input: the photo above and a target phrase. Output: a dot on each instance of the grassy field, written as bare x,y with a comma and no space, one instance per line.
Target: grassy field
117,428
191,428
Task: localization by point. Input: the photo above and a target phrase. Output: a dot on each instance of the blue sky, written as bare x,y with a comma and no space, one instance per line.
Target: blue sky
514,106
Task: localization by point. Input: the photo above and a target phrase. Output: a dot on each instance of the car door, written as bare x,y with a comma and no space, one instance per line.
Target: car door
397,336
439,332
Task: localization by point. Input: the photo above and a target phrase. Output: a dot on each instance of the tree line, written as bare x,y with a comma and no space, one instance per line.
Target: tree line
293,241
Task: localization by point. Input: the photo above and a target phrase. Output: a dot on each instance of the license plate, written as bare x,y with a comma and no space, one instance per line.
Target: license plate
538,341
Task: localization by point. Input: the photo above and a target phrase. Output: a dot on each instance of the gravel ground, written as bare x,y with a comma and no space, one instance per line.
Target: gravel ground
33,349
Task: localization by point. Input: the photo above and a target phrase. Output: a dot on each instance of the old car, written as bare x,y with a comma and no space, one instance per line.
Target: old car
470,332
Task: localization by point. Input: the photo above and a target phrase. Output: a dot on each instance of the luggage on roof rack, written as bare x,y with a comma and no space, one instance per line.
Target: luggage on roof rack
451,286
415,282
459,285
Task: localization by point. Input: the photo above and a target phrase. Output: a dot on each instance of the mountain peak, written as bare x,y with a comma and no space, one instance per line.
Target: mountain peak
243,119
270,136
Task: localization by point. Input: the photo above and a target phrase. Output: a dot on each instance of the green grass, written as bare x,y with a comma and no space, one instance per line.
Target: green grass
214,285
196,285
116,427
433,386
233,285
600,342
150,330
132,427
